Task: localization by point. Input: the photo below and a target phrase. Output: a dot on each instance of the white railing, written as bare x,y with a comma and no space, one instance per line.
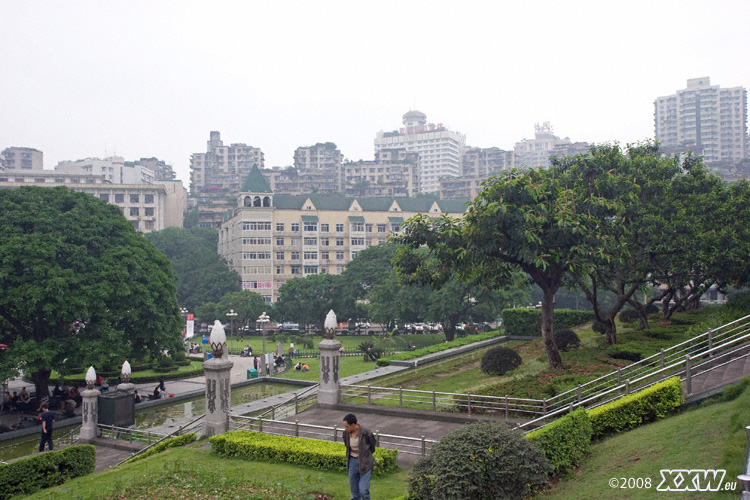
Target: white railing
404,444
130,434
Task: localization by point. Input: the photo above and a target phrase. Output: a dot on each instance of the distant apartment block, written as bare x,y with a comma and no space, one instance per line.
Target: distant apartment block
221,166
532,153
15,158
393,174
113,169
162,171
706,119
477,164
439,149
270,238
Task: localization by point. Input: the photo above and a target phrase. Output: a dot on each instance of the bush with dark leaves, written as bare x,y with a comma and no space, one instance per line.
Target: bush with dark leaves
567,340
500,360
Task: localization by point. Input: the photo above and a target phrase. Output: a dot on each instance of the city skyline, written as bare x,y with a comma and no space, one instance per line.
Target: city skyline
151,80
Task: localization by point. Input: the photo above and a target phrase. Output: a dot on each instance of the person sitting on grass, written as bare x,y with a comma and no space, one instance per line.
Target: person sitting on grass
298,367
305,368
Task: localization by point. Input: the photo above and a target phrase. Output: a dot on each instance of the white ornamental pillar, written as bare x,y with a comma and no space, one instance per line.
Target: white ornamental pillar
90,416
329,392
218,384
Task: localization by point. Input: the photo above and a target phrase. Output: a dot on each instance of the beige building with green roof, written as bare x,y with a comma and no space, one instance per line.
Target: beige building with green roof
269,239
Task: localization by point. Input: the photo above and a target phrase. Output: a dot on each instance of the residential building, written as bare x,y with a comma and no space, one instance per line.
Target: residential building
15,158
439,149
393,174
149,207
162,171
477,165
532,153
270,238
706,119
113,169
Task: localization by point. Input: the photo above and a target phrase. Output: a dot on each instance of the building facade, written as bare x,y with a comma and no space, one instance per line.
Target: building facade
15,158
532,153
113,169
439,149
271,238
393,174
706,119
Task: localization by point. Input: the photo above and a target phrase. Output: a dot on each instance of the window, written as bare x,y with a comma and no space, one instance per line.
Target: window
339,228
339,269
279,255
324,242
311,269
323,270
381,228
295,227
310,226
148,198
135,224
311,242
148,211
104,197
295,255
354,255
310,255
134,211
149,224
324,228
358,242
358,227
256,241
324,255
279,226
134,198
339,242
256,255
280,242
119,198
279,269
295,270
295,242
339,255
368,228
256,226
395,227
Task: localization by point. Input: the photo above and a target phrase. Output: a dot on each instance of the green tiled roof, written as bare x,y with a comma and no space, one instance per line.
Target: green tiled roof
356,218
255,182
396,219
309,218
340,202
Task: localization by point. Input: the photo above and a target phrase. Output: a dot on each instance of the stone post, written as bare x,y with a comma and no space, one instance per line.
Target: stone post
329,392
90,416
218,385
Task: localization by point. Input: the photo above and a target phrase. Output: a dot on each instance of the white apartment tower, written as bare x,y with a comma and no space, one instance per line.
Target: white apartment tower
439,149
704,118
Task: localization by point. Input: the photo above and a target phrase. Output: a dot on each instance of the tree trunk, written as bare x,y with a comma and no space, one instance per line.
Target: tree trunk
41,383
450,333
610,331
548,328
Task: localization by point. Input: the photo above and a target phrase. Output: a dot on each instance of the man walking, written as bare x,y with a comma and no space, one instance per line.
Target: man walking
48,418
360,445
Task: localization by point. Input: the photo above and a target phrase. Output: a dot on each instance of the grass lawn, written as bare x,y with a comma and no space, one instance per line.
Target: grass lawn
348,365
195,473
350,342
709,436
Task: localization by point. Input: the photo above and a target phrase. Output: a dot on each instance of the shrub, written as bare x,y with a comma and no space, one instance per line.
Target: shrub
565,442
313,453
483,460
619,352
629,316
500,360
27,475
179,355
566,340
633,410
526,322
599,326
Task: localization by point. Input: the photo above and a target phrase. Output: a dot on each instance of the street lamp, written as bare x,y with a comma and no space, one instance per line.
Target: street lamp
263,319
184,312
231,315
330,324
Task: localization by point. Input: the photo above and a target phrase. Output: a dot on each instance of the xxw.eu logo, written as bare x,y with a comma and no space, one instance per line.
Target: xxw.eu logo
694,480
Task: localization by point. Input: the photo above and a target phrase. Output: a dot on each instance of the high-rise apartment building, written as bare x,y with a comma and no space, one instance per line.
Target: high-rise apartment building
225,167
319,168
532,153
271,238
477,164
393,174
439,149
14,158
706,119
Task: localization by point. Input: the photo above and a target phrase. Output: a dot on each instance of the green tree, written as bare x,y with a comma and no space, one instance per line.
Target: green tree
79,286
246,304
308,300
202,274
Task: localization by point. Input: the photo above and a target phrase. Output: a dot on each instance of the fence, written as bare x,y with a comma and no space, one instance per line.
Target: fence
130,434
407,445
744,478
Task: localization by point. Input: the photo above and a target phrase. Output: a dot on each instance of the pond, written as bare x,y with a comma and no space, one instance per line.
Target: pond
151,417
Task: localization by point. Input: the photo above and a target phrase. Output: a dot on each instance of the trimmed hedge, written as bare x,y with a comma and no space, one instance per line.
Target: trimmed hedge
633,410
430,349
565,442
313,453
135,378
166,444
526,321
27,475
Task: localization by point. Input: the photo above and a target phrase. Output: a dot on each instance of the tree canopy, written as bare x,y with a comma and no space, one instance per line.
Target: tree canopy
78,286
202,274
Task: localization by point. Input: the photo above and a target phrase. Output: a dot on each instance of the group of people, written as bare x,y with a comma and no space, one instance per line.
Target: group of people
247,352
301,367
66,398
194,348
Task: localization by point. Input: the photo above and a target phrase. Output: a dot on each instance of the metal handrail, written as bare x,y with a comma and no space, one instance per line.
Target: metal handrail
404,444
182,429
132,433
296,399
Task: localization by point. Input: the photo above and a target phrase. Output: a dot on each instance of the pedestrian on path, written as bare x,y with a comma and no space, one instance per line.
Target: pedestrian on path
48,418
360,445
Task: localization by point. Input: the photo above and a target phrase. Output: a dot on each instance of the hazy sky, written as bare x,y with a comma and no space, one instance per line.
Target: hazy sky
152,78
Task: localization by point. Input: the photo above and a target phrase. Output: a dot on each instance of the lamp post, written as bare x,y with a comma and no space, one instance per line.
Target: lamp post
217,372
90,416
329,392
263,319
231,315
183,313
